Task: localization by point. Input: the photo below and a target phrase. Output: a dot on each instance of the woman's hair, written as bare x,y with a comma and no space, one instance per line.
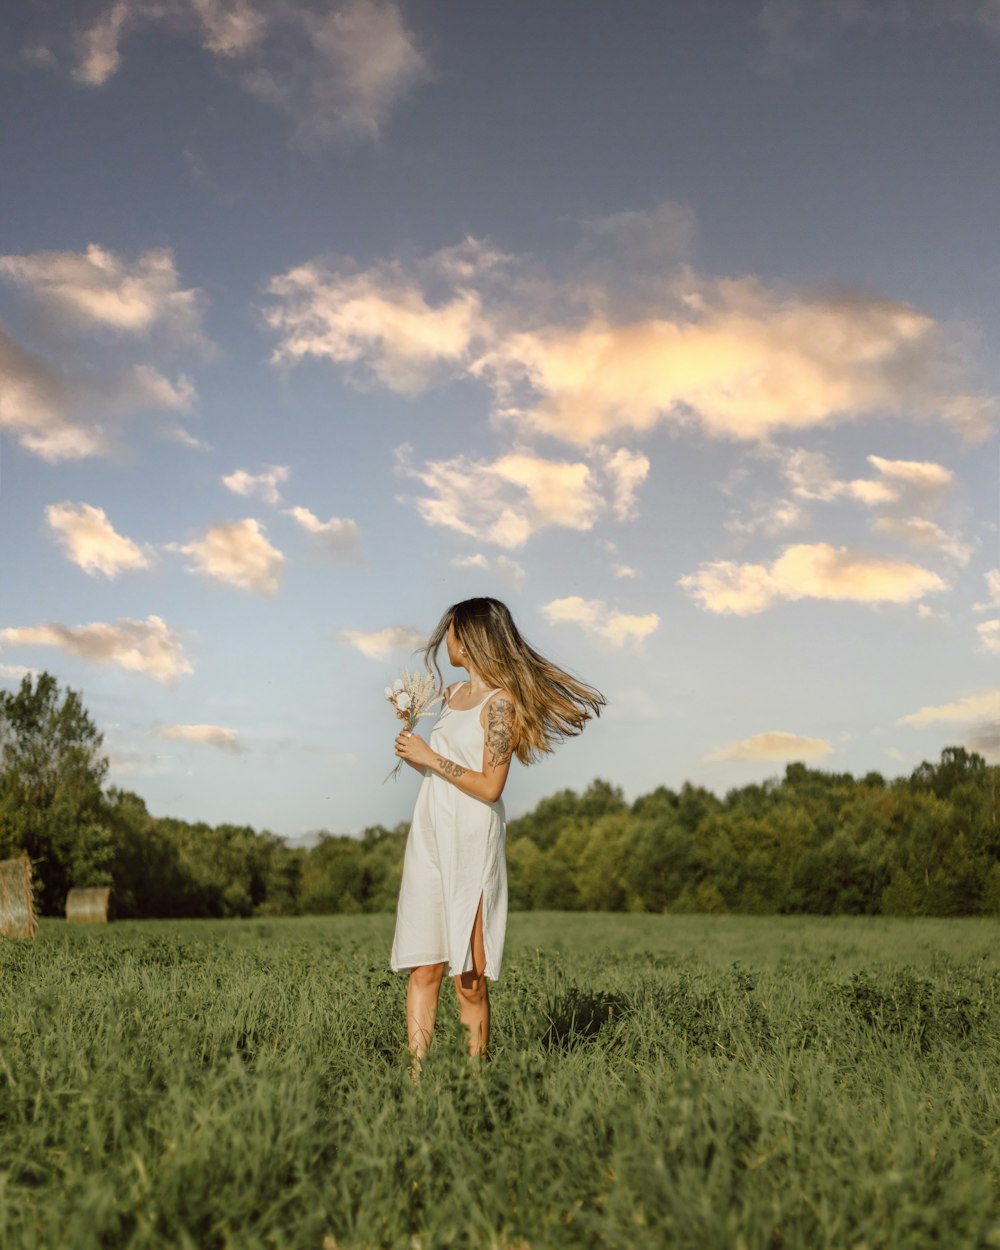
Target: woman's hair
550,704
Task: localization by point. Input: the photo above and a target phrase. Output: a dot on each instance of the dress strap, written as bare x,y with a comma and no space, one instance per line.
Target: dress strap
488,695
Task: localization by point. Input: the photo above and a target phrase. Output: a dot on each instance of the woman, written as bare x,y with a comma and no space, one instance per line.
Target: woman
452,913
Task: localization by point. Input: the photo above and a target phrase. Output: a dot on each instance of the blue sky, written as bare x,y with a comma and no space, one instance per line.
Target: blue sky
672,325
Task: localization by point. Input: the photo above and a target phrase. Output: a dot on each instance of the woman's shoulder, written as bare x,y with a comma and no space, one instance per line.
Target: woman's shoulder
499,701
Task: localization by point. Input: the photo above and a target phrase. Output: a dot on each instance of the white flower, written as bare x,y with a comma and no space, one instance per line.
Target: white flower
397,685
388,692
402,701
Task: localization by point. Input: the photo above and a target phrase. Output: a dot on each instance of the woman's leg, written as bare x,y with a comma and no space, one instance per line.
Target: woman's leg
422,992
473,993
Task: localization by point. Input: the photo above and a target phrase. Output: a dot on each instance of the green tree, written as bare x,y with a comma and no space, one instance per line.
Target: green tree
52,807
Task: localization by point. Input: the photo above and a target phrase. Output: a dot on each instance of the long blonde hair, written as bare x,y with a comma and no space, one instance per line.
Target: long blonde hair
549,704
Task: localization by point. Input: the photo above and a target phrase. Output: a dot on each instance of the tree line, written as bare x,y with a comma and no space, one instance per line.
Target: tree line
808,842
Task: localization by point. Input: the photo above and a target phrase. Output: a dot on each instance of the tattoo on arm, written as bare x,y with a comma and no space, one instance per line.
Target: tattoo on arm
500,731
449,769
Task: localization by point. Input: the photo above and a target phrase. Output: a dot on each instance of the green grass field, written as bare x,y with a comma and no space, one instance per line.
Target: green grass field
655,1081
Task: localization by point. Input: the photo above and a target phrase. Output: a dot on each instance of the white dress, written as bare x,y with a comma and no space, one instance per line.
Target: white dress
455,855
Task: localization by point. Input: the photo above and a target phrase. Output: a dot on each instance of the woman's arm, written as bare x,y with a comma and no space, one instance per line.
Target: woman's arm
497,751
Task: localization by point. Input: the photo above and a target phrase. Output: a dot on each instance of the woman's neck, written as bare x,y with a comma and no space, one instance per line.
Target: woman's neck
477,685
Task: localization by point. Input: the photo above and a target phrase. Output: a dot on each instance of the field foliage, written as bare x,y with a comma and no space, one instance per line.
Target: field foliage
656,1081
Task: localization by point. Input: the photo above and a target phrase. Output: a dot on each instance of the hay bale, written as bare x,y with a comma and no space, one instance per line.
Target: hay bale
17,903
88,906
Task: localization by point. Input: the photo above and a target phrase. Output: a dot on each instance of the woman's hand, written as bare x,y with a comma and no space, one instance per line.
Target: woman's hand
412,748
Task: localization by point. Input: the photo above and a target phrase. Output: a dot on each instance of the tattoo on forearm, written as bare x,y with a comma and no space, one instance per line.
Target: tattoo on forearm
500,731
449,769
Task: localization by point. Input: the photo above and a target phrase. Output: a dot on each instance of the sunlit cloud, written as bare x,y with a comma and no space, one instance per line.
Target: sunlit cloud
738,359
985,703
264,485
770,517
98,46
989,636
624,571
816,571
379,322
236,553
923,474
628,470
921,532
974,417
147,646
91,541
503,567
337,74
617,628
811,476
63,416
507,500
773,745
591,361
208,735
992,577
339,535
379,644
350,67
98,288
36,403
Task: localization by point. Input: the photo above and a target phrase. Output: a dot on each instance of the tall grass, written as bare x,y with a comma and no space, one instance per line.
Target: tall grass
656,1081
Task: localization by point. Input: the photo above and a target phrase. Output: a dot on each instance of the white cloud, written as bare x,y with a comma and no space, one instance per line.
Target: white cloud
922,474
817,571
504,567
349,68
770,517
989,636
993,592
644,243
210,735
810,476
148,646
973,416
379,320
507,500
920,532
624,571
337,72
148,388
99,55
238,554
615,627
339,535
773,745
62,412
98,288
91,541
265,484
628,470
230,28
379,644
35,406
587,357
985,703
